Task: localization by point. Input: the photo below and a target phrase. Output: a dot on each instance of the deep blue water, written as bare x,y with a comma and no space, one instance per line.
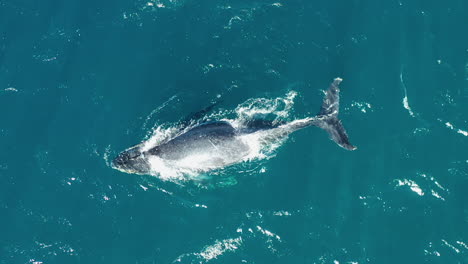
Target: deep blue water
81,81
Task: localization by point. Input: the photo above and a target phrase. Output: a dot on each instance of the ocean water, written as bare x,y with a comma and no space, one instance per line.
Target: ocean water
81,81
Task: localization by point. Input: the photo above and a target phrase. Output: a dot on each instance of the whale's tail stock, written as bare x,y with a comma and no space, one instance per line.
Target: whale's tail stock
328,116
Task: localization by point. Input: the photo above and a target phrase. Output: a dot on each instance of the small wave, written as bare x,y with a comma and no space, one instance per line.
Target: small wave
362,106
247,233
213,251
157,4
458,130
428,183
412,184
447,246
10,89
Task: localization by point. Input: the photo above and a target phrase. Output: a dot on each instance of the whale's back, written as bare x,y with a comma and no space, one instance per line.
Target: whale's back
209,145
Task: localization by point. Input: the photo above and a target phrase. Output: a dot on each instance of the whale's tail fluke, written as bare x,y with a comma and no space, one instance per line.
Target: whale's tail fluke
328,116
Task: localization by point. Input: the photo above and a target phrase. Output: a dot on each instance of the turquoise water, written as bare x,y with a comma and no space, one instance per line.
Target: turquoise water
81,81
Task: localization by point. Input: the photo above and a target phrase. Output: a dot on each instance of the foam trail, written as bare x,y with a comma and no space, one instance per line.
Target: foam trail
158,109
405,98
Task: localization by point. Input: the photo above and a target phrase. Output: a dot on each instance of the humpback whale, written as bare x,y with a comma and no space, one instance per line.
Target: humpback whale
217,144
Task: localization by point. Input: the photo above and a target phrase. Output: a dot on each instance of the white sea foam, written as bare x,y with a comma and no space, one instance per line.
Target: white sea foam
159,135
219,247
281,107
11,89
362,106
452,127
450,246
268,233
405,98
463,132
282,213
412,184
213,251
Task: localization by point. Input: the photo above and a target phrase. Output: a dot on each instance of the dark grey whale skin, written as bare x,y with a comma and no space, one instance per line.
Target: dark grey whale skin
222,137
207,133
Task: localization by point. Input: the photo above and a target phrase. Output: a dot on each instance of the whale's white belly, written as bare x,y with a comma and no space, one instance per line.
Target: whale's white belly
207,153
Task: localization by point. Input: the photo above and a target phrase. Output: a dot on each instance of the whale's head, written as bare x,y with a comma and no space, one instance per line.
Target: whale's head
132,160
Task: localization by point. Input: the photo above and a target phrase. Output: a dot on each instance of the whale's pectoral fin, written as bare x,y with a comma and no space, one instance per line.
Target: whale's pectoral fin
199,115
328,116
